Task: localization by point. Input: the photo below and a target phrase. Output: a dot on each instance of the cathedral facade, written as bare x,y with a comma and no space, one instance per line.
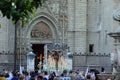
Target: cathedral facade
62,25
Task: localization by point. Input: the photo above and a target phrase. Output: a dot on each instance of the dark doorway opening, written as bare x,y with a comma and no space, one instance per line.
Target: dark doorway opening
38,49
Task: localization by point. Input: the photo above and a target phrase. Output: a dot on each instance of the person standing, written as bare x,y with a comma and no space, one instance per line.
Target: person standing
72,75
80,76
102,70
64,76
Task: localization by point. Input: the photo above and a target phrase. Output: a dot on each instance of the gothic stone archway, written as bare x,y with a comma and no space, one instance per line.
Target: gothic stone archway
41,31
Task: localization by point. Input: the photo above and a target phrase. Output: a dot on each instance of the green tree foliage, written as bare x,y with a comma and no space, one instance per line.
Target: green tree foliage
19,9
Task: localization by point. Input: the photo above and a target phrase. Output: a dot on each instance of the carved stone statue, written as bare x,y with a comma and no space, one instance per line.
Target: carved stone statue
116,36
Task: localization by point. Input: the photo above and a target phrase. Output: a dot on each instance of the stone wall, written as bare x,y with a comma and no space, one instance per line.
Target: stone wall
94,61
7,61
77,25
6,35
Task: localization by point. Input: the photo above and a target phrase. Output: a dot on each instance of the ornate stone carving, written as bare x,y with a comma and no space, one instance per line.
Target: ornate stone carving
41,30
116,14
58,7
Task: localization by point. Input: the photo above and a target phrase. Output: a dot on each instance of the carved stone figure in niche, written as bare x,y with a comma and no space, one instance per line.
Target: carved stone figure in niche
41,30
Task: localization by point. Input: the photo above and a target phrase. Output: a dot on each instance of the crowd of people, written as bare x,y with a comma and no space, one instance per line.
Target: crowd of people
44,75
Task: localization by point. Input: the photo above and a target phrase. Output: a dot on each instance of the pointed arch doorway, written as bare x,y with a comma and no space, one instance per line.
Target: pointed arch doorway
41,35
38,50
41,31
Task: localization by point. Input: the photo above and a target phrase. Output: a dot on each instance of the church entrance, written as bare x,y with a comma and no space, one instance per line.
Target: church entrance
42,33
38,50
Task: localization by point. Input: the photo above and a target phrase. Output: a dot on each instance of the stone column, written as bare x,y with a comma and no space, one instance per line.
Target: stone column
45,57
116,61
30,61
